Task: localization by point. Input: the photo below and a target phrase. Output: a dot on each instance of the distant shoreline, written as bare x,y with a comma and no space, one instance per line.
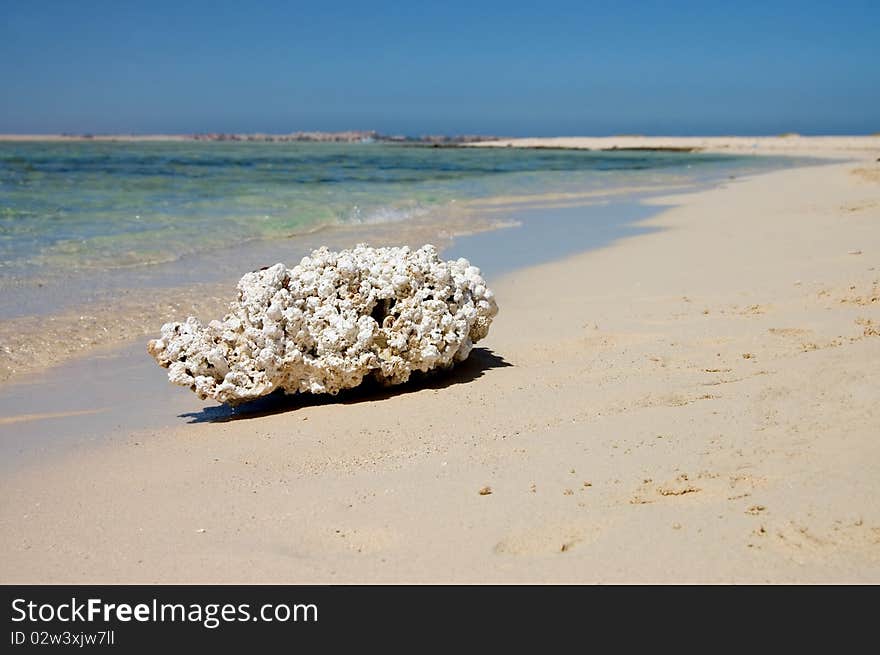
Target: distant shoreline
785,144
351,136
834,147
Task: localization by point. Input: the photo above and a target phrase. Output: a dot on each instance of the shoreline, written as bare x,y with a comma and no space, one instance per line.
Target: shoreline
347,136
793,144
113,360
828,147
696,403
34,342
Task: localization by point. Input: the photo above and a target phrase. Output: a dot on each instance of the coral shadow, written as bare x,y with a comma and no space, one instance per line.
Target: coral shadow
478,362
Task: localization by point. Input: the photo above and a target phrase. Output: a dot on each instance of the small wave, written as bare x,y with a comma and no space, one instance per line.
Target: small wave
385,215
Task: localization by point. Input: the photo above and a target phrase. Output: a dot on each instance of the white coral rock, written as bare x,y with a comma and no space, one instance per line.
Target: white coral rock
325,324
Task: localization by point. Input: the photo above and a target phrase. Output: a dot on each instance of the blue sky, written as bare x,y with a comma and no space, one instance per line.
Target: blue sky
538,68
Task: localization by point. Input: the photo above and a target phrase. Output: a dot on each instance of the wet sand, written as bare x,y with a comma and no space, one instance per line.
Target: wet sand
699,402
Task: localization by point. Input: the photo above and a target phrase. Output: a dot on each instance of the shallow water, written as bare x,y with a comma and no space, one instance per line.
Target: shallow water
112,205
82,222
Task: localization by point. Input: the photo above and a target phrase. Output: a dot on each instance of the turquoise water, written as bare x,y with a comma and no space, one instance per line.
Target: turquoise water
68,207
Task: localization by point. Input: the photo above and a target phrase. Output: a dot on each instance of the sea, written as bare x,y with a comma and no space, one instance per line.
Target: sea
80,221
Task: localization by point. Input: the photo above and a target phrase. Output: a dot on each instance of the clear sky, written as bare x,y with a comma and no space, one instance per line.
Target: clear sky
410,67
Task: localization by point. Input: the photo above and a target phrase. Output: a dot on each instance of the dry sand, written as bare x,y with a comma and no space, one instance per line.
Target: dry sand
787,144
700,403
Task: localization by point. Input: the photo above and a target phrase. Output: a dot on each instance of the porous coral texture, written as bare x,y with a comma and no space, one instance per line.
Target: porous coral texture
330,321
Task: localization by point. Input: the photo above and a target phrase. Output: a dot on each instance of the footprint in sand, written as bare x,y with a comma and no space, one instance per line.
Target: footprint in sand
867,174
788,332
649,491
342,540
801,543
862,297
670,400
704,485
869,327
553,539
751,310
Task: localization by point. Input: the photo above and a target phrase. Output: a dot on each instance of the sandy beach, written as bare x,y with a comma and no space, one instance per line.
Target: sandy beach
860,147
699,403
